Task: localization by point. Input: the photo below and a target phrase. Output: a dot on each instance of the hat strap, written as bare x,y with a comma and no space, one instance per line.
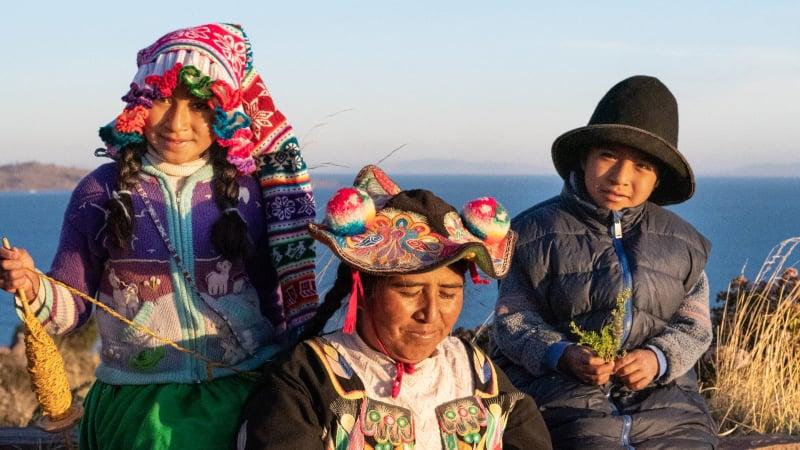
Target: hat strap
352,305
400,367
473,273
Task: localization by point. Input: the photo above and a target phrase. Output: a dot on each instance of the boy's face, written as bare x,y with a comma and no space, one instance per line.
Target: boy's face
618,176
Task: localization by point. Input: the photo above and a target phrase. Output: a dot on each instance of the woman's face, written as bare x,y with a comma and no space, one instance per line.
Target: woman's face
618,176
412,314
179,127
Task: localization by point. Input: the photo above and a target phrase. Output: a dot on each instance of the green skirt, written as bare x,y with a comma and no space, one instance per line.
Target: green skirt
164,416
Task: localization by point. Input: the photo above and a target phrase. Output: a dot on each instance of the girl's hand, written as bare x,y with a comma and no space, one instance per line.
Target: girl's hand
585,365
637,369
17,272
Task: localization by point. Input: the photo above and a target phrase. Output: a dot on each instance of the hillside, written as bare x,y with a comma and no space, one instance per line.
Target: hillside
37,176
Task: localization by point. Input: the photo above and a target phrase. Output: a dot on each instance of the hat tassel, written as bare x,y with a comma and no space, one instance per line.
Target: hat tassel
352,305
473,273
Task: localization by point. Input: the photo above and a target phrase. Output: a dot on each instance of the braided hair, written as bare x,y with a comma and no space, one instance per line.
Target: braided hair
228,234
120,206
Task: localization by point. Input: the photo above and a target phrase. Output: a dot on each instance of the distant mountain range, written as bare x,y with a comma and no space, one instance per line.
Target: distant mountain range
34,176
439,166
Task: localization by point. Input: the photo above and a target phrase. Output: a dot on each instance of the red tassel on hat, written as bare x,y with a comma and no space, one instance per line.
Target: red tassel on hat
473,273
352,305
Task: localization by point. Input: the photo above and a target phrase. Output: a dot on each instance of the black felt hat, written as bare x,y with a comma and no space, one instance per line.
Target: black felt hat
642,113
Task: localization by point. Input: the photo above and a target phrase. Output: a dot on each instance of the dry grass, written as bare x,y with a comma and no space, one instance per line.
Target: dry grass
757,360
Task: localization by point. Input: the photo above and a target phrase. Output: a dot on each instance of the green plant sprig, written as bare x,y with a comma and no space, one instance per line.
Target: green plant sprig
607,342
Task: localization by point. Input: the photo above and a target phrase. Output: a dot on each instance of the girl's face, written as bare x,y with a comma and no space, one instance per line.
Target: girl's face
618,176
179,127
412,314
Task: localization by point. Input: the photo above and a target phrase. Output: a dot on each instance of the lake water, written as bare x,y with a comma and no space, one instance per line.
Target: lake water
743,217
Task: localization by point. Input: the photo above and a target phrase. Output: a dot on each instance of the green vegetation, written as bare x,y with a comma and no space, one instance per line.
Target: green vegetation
608,341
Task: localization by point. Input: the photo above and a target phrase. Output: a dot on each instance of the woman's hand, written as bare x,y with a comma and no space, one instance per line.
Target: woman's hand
17,272
637,369
585,365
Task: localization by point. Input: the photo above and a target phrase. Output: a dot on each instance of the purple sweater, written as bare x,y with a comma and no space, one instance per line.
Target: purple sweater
233,316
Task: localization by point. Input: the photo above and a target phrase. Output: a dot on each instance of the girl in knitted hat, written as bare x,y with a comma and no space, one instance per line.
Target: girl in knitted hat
179,236
605,256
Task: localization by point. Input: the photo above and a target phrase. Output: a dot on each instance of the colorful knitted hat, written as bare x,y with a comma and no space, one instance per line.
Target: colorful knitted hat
215,63
379,229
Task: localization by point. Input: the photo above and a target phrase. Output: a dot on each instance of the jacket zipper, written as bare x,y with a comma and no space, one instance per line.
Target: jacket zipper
184,293
627,281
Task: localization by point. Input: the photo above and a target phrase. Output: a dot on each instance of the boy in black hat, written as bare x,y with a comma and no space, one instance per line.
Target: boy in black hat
606,240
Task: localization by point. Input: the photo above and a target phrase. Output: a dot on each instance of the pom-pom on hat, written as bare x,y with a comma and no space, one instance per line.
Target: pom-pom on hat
412,231
487,219
215,63
348,211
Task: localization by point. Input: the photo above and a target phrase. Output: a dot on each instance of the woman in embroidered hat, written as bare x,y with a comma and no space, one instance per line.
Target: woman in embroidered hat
179,236
605,255
392,378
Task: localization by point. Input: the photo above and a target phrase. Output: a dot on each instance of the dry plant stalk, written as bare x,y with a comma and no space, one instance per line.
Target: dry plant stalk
757,360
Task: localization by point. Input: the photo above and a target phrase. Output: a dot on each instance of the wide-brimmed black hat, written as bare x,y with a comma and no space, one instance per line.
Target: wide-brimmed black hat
642,113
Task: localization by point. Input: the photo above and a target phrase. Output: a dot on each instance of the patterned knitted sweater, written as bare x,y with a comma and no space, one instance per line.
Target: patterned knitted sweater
230,312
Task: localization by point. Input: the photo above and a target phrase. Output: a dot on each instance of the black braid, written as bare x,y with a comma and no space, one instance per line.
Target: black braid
229,233
120,211
333,301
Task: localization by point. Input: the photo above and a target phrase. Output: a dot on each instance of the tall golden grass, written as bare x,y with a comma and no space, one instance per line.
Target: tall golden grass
757,360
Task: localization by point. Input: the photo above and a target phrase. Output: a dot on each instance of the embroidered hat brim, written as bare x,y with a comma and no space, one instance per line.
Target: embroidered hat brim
402,241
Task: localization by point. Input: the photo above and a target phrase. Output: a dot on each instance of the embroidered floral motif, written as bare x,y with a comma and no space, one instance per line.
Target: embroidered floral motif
306,205
288,158
260,113
234,51
462,419
283,208
190,33
132,120
395,240
386,426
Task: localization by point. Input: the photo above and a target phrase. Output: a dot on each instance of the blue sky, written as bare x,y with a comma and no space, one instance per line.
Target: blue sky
491,85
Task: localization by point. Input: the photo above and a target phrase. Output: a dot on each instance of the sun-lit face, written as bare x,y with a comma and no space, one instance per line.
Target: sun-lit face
618,176
412,314
179,127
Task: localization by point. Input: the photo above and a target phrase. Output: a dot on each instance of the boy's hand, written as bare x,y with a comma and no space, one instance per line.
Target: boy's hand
637,369
17,272
584,364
